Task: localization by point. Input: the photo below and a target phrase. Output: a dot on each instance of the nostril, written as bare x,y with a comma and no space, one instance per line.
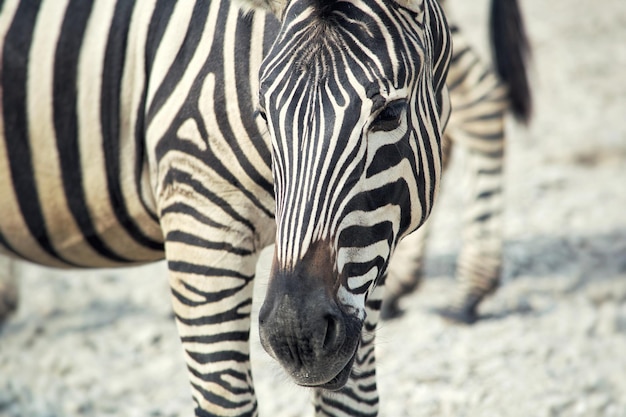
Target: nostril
334,333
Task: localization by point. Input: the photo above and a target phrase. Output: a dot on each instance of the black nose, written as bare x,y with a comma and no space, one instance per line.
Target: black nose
303,325
302,329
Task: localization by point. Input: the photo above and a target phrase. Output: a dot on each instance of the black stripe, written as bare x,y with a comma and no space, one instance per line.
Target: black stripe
389,156
186,52
194,240
218,400
373,304
140,153
110,118
354,269
64,102
218,378
17,46
394,193
192,212
207,296
242,75
158,24
235,313
434,154
175,177
337,404
217,338
219,356
271,30
362,236
215,64
368,358
427,166
207,271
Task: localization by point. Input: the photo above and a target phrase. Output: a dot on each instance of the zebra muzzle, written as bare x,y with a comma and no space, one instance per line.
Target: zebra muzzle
309,334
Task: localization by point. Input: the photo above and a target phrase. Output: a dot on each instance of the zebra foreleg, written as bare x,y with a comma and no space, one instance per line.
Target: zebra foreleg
212,283
213,319
360,395
9,292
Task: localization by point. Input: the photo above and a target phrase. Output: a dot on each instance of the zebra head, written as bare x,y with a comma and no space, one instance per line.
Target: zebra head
354,98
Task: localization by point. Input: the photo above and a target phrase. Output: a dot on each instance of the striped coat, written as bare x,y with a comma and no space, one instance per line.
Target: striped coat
133,130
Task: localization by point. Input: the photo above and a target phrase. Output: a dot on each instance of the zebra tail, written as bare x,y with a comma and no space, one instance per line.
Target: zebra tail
510,49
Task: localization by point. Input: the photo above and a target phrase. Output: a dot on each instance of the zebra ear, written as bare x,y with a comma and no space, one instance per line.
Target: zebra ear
275,7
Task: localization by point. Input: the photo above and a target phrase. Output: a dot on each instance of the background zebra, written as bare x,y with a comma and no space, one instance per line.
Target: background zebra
128,132
481,96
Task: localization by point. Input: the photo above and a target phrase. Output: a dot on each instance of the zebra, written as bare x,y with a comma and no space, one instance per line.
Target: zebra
481,96
136,130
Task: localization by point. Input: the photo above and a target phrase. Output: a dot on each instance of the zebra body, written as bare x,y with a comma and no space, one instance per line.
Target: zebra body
92,93
130,133
124,140
481,97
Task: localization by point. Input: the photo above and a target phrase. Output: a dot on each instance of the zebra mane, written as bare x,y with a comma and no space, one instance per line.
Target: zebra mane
322,6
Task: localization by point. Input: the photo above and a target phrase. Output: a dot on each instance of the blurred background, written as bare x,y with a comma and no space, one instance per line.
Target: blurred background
103,343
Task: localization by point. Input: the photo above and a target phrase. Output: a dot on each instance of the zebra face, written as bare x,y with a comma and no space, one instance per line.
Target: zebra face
354,98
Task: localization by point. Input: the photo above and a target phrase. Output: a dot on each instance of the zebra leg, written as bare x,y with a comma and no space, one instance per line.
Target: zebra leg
479,263
477,124
212,270
405,269
212,312
360,396
9,292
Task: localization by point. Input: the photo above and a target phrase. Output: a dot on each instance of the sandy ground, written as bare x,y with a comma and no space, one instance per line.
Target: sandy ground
553,341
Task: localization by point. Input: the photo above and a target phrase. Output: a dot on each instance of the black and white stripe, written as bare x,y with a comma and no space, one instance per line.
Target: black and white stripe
129,133
71,162
354,98
481,98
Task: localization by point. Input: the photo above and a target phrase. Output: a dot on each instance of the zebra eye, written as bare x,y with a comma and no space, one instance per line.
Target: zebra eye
389,117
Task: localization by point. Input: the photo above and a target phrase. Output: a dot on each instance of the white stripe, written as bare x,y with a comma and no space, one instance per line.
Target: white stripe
12,224
91,142
64,233
173,38
132,89
234,115
168,50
